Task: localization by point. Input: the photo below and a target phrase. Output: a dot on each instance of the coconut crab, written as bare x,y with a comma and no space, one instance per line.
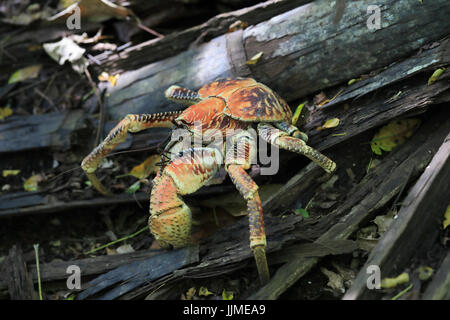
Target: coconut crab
233,107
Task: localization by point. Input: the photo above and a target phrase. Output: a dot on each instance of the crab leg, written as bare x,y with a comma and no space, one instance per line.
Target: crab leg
131,123
238,159
284,141
291,130
182,95
170,218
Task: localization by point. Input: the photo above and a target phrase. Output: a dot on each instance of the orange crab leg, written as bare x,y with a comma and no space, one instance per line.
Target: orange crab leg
284,141
238,159
131,123
170,218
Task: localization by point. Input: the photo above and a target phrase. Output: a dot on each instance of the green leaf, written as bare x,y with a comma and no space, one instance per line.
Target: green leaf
297,113
435,76
5,112
227,295
203,291
255,58
393,134
134,187
446,222
303,212
330,123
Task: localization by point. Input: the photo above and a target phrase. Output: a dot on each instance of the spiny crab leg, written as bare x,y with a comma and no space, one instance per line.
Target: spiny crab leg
284,141
131,123
238,159
182,95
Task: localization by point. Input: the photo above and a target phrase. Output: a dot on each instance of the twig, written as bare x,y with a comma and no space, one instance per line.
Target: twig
36,253
100,104
402,292
118,240
147,29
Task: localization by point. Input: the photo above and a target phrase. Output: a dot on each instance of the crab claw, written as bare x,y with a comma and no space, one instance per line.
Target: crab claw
170,220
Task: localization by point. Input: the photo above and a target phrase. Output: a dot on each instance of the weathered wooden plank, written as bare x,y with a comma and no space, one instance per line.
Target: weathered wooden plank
415,96
53,130
156,49
90,266
303,180
139,272
297,45
427,60
17,277
417,221
34,203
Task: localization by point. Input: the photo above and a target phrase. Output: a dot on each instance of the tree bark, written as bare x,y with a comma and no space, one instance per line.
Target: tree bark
304,51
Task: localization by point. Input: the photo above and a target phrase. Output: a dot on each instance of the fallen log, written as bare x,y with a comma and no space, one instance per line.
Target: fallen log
53,130
137,273
303,52
57,270
417,225
156,49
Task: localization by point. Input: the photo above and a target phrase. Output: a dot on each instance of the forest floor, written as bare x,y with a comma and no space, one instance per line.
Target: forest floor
75,233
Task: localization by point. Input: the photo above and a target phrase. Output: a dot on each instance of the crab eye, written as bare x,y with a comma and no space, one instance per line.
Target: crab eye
180,154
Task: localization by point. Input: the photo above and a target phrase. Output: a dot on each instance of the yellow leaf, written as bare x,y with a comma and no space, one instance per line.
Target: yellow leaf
393,282
190,293
32,183
30,72
113,79
425,272
10,173
330,123
393,134
227,295
103,76
147,167
5,112
297,113
255,58
237,25
447,218
203,291
352,81
436,75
